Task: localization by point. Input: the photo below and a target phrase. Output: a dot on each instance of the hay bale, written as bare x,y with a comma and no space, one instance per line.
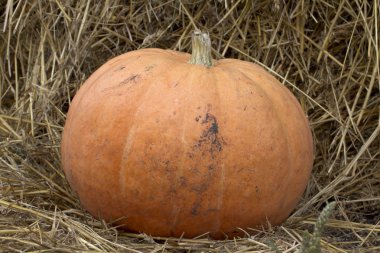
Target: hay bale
326,52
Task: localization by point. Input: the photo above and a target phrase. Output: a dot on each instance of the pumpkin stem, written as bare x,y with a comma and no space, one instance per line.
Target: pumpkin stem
201,49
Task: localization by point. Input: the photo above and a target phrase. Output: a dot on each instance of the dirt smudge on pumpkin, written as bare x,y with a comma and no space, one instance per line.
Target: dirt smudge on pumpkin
133,78
205,156
150,67
129,82
210,139
201,188
195,207
183,181
119,68
170,175
257,189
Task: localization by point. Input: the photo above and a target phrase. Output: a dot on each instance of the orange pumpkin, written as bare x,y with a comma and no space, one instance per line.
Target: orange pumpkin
161,145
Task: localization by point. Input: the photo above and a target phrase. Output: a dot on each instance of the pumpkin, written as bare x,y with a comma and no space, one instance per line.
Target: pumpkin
172,144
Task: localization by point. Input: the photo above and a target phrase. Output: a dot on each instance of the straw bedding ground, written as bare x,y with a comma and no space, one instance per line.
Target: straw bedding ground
325,51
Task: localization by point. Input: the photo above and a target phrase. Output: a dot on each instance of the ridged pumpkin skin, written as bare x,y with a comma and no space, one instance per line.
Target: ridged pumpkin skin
179,148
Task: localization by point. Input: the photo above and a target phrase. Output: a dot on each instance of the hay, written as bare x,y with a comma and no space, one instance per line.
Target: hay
325,51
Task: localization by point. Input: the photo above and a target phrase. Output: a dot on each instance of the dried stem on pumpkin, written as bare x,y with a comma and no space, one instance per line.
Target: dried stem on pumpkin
201,49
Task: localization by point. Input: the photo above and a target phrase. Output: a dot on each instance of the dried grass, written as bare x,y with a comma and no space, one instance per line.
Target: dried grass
325,51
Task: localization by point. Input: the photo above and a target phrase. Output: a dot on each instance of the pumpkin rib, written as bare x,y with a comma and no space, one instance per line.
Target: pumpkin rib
227,79
131,132
301,125
195,72
279,118
124,157
284,130
184,144
145,97
175,208
129,140
220,201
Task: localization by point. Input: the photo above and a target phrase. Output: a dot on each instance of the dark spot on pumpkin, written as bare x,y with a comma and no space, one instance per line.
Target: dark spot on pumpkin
176,84
133,78
245,108
128,81
198,118
195,207
120,68
200,188
168,168
150,67
195,170
210,138
183,181
174,113
214,128
257,189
